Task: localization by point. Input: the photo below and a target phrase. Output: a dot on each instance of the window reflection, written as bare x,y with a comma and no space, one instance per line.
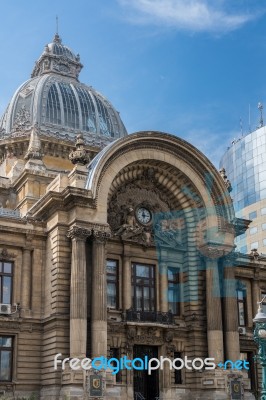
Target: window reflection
143,287
6,270
5,358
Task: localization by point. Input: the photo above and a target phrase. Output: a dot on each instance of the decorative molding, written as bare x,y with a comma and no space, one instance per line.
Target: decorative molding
5,255
99,232
226,181
101,236
79,233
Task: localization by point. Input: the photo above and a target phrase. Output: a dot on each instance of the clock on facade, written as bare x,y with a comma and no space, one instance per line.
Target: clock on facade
143,215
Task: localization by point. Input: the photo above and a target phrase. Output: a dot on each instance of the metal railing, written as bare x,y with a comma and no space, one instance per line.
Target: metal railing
166,318
139,396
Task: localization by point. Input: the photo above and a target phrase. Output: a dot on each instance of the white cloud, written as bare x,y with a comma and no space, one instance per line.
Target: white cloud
191,15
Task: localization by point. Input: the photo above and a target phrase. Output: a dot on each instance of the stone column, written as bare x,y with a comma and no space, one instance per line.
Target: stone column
255,290
78,293
126,279
232,346
214,311
163,279
99,297
26,279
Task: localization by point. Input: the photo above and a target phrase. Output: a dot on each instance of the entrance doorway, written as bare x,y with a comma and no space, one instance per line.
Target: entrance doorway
146,387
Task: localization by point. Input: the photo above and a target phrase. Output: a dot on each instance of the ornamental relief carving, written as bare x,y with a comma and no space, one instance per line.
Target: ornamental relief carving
5,255
138,211
22,119
148,335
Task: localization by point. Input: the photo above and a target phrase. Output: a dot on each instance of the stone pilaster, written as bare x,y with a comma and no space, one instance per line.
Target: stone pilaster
78,292
214,311
26,279
126,291
232,346
99,297
255,291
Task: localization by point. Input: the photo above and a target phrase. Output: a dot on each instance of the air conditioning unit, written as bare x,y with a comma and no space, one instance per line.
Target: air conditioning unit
5,309
242,330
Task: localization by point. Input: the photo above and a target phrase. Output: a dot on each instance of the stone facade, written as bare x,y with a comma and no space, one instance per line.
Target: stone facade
129,256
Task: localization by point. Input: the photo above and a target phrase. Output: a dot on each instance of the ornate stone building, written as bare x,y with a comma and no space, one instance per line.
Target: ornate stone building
114,245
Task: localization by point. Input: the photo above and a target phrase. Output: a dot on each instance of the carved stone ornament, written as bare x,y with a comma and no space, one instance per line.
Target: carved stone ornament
34,149
100,236
128,199
22,119
254,254
170,349
5,255
144,335
80,155
211,251
79,233
168,336
226,181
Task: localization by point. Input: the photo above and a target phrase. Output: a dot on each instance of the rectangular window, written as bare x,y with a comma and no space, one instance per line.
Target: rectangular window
263,226
249,357
115,353
112,283
243,249
263,211
6,278
143,287
252,215
178,372
254,246
173,290
241,305
6,353
253,230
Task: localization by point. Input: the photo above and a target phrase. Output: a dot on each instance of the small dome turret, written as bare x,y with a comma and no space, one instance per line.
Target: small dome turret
59,59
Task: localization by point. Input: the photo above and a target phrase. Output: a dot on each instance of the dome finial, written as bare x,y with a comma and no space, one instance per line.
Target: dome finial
57,38
57,25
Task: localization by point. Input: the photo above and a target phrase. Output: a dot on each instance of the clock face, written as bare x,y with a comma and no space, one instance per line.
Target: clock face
143,215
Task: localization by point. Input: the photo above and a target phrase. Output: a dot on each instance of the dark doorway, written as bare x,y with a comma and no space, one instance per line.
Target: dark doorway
146,387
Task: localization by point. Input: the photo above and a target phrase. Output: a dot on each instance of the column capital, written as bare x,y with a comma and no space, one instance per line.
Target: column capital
213,251
101,236
76,232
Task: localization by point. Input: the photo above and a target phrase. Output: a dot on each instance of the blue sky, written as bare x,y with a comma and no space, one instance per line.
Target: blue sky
186,67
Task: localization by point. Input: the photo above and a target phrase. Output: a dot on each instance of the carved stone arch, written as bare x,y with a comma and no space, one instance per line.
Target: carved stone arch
164,189
174,152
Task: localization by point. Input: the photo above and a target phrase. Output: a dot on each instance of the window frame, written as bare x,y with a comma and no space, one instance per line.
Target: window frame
175,281
116,282
242,288
178,375
151,285
11,349
3,274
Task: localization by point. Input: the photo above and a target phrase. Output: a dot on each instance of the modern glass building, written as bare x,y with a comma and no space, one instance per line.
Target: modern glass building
245,165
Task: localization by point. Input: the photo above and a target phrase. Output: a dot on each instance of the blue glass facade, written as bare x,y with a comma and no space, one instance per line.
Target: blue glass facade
245,165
